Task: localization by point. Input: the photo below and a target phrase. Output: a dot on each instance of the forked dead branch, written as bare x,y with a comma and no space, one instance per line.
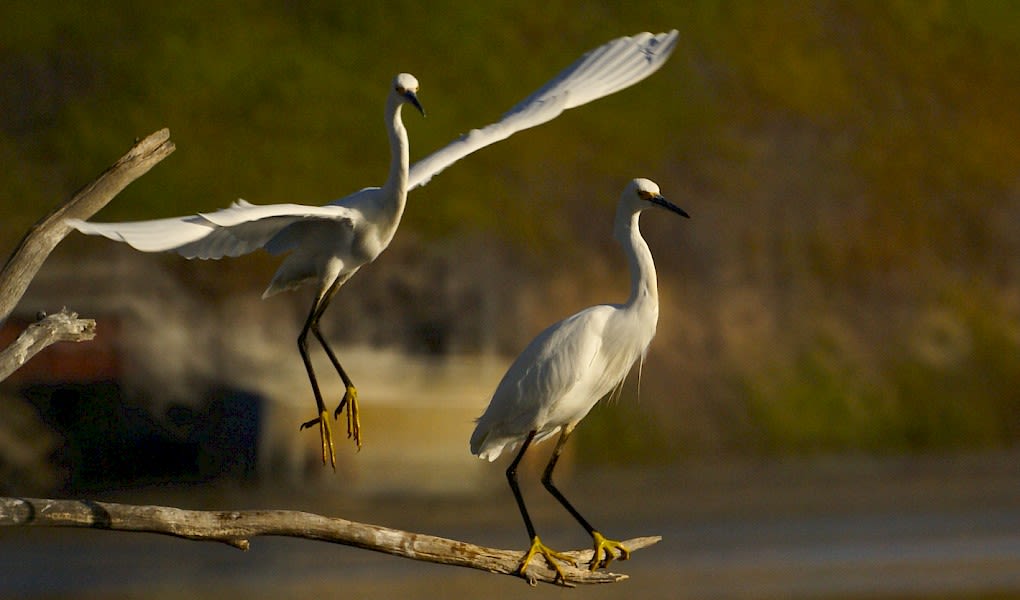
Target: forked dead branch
43,237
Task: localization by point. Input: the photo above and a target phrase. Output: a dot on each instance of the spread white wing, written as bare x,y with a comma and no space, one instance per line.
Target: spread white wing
244,227
233,231
602,71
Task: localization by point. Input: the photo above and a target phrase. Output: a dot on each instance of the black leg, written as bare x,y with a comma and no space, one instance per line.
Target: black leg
302,342
537,547
511,476
313,325
350,398
604,548
548,482
323,419
332,358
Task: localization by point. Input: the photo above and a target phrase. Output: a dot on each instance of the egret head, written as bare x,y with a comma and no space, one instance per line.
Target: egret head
405,86
644,193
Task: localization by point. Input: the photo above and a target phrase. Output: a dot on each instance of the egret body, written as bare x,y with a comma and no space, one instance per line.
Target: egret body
569,366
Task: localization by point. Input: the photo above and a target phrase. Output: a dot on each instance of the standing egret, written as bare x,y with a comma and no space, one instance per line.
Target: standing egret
328,244
568,367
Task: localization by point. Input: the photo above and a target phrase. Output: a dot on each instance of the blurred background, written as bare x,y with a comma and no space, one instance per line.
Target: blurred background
835,383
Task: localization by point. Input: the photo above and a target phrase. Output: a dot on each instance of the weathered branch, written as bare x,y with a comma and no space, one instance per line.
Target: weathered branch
236,527
44,236
64,326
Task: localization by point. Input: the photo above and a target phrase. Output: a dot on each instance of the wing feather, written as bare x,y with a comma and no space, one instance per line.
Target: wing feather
546,371
602,71
157,235
233,231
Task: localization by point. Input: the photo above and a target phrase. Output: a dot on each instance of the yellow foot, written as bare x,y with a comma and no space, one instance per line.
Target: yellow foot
327,437
606,547
350,401
551,556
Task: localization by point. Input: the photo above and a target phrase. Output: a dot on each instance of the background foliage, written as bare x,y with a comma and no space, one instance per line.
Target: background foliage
849,279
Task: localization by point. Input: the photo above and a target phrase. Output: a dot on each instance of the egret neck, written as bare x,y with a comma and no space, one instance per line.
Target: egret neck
394,191
644,294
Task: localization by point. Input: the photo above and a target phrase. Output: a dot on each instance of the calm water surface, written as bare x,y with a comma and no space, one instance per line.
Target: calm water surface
834,527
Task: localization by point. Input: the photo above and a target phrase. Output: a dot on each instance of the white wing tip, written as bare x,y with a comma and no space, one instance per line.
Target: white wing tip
484,448
657,46
491,454
661,44
89,228
669,39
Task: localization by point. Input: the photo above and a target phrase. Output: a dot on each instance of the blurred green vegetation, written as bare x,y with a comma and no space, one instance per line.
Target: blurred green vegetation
849,279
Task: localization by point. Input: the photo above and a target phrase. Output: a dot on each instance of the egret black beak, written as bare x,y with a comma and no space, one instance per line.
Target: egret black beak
659,200
413,99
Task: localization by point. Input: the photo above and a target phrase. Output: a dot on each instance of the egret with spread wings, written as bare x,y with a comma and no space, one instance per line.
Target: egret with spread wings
326,245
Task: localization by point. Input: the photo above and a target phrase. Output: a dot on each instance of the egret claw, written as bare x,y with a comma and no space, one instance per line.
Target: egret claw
350,402
551,556
606,547
326,432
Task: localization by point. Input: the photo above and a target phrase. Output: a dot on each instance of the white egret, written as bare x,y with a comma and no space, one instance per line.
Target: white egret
328,244
568,367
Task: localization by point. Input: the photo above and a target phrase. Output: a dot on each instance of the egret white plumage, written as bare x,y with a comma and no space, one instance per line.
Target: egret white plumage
328,244
569,367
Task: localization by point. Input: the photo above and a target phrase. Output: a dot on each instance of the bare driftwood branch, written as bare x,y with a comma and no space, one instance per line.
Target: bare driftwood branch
236,527
44,236
64,326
